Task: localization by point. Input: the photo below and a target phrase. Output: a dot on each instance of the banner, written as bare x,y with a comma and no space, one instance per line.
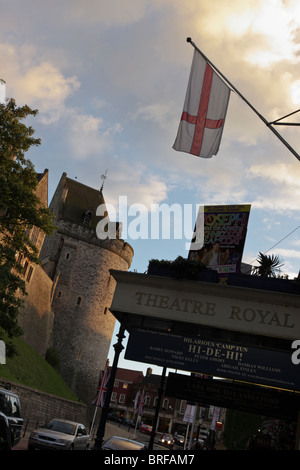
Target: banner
236,396
214,358
225,229
189,414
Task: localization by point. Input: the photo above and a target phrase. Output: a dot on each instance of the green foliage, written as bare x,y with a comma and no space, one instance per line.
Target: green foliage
20,209
269,265
28,368
180,267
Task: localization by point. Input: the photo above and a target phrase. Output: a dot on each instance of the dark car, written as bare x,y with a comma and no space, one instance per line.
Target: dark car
121,443
179,439
59,434
167,440
113,417
11,421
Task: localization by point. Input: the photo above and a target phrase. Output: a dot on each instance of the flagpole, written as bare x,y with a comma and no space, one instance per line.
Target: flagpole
276,122
268,124
93,422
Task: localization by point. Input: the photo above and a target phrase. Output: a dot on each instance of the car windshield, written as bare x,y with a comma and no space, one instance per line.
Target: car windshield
61,426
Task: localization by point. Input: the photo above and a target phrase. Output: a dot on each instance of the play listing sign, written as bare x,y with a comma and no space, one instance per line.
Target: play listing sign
215,358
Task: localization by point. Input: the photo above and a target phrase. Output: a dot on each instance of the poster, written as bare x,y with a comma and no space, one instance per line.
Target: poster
223,230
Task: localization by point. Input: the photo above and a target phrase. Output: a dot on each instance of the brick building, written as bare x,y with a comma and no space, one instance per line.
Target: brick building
172,411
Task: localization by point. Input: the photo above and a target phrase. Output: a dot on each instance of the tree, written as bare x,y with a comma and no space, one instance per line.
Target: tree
20,209
269,265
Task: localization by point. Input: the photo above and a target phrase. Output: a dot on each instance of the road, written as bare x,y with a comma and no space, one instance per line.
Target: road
111,429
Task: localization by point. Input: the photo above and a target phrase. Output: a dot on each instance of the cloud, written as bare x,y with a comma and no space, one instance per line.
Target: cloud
281,186
89,136
139,186
46,87
157,113
115,12
36,82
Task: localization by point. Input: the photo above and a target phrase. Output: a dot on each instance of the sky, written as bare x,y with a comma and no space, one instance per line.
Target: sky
109,80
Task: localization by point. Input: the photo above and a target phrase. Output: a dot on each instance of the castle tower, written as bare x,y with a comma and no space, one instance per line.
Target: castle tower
78,262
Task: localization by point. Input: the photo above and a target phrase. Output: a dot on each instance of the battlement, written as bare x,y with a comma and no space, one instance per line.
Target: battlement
88,235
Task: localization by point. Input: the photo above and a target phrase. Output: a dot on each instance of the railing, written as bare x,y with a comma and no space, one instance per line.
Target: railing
29,425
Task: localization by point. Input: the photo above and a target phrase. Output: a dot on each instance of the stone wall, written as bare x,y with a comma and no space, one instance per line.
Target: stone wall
39,407
83,325
36,317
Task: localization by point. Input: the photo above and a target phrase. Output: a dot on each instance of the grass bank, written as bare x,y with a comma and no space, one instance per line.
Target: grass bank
28,368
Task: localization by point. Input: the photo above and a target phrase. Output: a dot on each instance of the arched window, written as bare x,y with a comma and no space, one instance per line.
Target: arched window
87,218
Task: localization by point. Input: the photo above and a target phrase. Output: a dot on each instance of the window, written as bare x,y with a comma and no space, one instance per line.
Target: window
9,404
125,386
122,398
147,401
211,411
182,408
116,384
78,301
26,264
79,354
59,294
113,396
165,403
34,235
29,274
82,430
68,256
87,217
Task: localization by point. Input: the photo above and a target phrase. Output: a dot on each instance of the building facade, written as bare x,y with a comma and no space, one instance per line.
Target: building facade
172,412
36,316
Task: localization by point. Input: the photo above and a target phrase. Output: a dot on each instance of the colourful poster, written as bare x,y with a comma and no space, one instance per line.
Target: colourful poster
224,231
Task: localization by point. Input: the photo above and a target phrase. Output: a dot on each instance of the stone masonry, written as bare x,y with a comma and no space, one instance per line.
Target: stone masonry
78,263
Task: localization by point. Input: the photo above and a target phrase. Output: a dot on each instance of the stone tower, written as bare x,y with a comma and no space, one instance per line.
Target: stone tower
78,262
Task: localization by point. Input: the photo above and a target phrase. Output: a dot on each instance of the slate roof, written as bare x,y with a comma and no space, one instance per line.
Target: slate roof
79,200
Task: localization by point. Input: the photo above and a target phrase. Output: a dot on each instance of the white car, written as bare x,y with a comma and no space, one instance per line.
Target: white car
122,443
59,434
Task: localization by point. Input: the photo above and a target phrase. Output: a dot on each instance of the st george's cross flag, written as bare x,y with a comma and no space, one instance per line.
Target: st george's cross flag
206,102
